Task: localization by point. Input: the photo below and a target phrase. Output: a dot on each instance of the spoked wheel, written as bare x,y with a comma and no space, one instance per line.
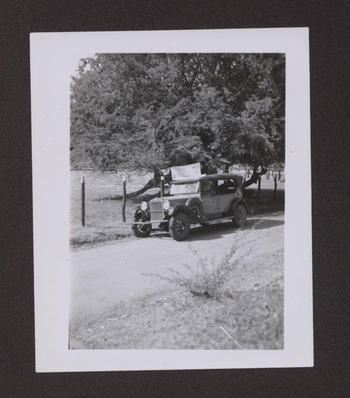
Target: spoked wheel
141,230
240,214
179,226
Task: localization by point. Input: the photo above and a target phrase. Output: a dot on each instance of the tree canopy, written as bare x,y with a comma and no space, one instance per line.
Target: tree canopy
159,110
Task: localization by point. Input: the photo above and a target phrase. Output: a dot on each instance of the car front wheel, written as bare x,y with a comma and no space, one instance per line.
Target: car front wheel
240,216
179,226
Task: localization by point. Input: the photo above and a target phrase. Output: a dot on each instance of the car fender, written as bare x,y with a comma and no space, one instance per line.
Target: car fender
191,201
182,208
145,213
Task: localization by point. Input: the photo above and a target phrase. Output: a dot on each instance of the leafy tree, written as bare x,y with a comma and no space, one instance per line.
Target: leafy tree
157,110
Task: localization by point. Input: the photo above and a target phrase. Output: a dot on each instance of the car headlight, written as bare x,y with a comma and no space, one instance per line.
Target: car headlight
166,204
144,205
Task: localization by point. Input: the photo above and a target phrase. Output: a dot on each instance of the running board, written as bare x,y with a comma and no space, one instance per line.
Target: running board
146,222
219,219
167,221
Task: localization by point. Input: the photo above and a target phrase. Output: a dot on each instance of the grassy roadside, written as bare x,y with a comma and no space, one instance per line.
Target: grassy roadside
208,308
90,236
264,204
103,218
178,320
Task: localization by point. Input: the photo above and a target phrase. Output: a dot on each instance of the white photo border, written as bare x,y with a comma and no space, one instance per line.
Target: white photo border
54,59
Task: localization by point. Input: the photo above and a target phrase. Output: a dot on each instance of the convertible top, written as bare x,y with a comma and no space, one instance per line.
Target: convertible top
210,177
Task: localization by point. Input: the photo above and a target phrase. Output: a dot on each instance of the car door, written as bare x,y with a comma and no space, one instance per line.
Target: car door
209,199
226,192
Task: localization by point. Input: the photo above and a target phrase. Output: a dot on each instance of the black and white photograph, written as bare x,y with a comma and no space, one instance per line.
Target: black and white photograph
177,201
172,213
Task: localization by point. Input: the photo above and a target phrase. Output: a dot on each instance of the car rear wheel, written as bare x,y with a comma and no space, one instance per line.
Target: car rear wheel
141,230
179,226
240,216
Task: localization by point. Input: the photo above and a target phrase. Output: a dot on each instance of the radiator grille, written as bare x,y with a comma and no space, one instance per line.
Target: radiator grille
156,210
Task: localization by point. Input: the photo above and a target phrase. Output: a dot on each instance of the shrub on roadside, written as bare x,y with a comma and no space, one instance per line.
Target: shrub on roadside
205,278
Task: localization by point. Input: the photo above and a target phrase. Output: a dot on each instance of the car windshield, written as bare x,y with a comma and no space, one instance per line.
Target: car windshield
178,189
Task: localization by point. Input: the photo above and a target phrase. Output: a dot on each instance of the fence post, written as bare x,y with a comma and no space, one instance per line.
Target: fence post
259,188
124,199
161,186
275,186
83,201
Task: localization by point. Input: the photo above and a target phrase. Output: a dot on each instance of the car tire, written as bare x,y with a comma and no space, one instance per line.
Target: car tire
179,226
240,215
141,230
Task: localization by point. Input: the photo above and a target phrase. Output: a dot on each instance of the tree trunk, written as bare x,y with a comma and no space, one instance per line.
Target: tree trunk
152,183
259,189
258,171
146,187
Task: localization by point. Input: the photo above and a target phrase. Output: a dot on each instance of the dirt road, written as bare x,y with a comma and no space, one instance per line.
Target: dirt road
102,276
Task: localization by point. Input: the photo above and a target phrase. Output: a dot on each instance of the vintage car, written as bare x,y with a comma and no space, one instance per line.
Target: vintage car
192,201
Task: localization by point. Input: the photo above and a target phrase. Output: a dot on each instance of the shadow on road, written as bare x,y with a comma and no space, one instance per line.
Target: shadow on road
216,231
264,224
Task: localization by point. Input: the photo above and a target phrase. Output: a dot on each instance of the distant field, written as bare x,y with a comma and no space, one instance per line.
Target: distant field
103,220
